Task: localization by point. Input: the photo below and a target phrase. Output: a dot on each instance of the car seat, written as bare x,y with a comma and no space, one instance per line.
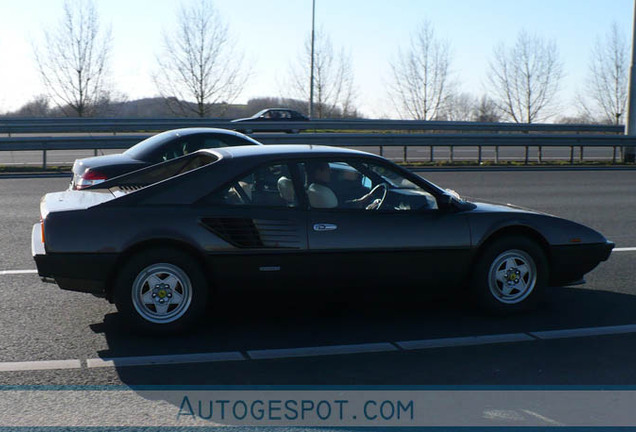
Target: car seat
321,196
286,190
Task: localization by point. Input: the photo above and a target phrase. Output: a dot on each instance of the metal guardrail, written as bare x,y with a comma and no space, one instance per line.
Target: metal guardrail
11,125
378,140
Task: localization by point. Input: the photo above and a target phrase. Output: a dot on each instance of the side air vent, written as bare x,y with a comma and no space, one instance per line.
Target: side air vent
278,233
130,188
254,233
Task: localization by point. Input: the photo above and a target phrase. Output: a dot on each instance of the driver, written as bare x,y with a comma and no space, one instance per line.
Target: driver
321,195
319,192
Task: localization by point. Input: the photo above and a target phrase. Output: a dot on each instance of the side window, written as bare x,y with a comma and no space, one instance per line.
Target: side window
211,143
230,141
267,186
362,186
334,184
171,151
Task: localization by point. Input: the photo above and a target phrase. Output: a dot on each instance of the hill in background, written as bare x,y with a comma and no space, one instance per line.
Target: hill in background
159,107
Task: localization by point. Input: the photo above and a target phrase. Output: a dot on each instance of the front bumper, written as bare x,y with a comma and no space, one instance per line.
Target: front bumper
570,263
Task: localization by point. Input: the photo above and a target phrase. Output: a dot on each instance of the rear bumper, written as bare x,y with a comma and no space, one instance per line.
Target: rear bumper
72,271
570,263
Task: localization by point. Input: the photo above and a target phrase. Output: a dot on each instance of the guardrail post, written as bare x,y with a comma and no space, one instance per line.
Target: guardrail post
581,155
613,155
496,154
479,155
432,154
405,155
526,156
540,154
381,150
451,154
44,159
571,155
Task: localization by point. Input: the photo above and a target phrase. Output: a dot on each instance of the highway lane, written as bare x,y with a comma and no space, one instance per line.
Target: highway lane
41,322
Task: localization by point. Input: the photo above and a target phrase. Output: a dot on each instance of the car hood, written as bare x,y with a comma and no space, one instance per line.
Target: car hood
556,230
484,206
112,162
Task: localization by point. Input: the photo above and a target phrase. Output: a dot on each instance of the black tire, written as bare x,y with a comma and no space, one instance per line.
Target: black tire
510,275
176,301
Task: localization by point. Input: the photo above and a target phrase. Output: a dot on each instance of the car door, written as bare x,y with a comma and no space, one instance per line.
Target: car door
262,228
409,239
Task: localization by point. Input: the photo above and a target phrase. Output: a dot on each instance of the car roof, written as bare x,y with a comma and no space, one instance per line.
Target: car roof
198,130
271,151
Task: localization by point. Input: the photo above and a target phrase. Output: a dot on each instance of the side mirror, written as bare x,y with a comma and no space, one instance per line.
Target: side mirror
447,199
453,194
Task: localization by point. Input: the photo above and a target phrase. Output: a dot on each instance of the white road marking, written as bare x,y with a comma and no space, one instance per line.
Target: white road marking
503,415
321,351
464,341
39,365
625,249
164,359
584,332
317,351
17,272
543,418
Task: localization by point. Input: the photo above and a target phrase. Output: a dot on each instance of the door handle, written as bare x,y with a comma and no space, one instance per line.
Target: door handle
325,227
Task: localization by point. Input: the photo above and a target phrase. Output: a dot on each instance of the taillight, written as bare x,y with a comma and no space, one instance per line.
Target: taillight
42,229
90,178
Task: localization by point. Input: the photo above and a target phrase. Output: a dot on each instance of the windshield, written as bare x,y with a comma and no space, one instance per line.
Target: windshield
144,149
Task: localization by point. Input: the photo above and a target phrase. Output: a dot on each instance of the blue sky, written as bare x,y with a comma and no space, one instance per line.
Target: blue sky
271,33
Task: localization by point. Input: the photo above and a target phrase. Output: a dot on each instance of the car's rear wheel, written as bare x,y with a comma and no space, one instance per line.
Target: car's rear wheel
510,275
161,290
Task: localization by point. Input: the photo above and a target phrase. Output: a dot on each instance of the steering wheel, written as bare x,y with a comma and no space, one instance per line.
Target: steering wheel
241,192
381,190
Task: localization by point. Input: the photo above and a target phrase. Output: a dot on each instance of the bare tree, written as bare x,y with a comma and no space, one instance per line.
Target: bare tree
73,62
36,107
421,82
486,111
525,78
199,71
334,91
458,107
608,77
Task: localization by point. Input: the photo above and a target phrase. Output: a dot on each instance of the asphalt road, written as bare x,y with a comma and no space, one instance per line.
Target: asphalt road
42,323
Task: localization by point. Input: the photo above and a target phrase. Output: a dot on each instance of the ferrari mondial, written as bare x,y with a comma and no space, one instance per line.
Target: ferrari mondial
161,241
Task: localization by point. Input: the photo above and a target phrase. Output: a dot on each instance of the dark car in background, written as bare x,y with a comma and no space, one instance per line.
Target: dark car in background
272,115
160,242
158,148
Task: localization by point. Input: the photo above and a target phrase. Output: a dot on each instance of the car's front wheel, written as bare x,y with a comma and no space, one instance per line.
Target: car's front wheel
161,290
510,275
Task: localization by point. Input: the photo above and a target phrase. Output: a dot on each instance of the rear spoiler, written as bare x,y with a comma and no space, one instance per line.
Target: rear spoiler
159,172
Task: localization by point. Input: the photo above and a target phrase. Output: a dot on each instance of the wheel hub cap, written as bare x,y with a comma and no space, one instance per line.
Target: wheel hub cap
162,293
512,276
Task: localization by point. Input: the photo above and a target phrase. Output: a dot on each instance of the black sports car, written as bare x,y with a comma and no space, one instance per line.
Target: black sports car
158,148
270,115
163,239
